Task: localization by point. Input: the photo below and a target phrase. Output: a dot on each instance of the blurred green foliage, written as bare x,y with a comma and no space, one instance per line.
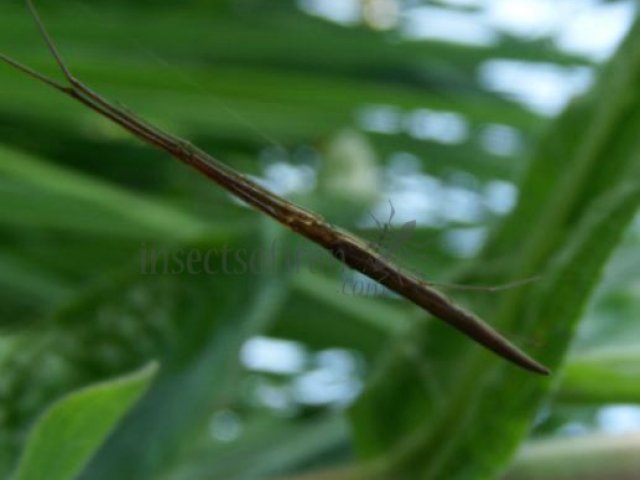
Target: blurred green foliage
271,90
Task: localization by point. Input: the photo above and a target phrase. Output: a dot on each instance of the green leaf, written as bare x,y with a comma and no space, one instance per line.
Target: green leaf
69,433
604,375
459,412
33,191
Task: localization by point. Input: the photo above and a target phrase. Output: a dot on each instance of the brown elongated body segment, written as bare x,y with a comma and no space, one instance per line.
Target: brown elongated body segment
346,247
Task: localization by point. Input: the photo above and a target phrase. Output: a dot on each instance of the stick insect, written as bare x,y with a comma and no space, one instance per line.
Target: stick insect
345,247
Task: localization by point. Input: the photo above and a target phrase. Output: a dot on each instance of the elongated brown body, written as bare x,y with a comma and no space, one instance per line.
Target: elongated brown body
347,248
355,253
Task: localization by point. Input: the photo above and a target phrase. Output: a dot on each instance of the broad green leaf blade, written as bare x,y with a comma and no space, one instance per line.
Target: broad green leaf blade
557,306
604,363
578,199
34,192
70,432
